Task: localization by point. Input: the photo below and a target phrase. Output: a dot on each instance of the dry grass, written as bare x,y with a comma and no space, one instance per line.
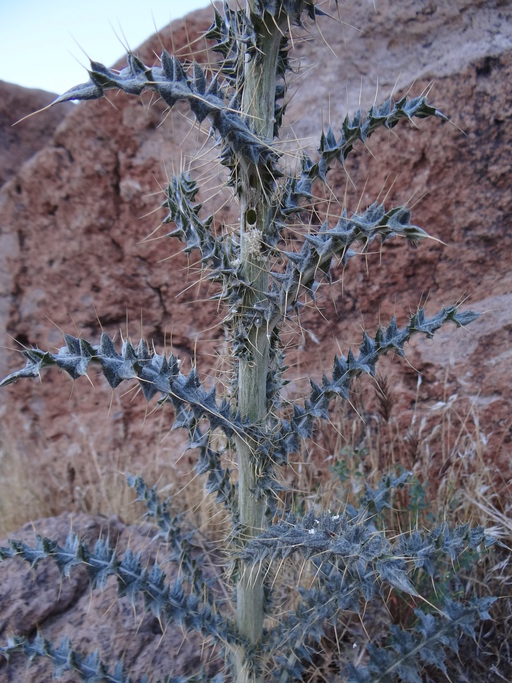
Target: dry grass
24,490
455,479
33,486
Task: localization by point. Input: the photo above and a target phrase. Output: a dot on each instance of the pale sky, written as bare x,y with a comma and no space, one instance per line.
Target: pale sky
40,40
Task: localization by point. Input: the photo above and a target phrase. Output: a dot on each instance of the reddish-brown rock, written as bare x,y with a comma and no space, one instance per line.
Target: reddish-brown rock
19,143
71,257
72,225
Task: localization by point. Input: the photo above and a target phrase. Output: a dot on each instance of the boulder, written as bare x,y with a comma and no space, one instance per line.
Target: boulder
73,223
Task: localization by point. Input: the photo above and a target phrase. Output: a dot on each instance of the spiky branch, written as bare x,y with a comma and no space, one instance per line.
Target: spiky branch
167,601
90,668
273,441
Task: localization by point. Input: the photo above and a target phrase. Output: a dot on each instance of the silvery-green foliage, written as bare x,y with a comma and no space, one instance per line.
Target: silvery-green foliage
90,668
168,602
352,559
199,412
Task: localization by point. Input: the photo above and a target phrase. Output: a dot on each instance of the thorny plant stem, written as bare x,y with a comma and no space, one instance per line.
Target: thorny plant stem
258,104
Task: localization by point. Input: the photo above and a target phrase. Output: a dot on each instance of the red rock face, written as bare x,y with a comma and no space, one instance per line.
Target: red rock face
74,220
72,257
19,143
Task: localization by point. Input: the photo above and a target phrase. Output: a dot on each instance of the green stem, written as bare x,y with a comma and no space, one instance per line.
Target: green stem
258,104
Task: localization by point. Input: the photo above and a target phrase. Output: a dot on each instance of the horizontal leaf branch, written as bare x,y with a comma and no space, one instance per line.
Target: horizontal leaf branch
360,554
167,602
354,129
319,250
90,668
156,374
172,83
346,368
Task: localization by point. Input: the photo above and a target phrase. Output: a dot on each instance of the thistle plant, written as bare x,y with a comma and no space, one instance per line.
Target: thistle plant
260,285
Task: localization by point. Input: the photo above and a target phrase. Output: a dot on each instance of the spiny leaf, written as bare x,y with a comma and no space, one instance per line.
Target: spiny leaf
172,84
170,602
393,571
89,668
390,339
320,250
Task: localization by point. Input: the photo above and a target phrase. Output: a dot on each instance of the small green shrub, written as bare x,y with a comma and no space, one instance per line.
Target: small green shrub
354,556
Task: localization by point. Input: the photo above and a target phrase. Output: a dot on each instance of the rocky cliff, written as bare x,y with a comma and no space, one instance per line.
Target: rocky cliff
74,218
19,143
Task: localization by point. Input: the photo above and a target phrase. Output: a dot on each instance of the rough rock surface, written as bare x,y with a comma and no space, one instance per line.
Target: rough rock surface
71,257
41,599
19,143
71,227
